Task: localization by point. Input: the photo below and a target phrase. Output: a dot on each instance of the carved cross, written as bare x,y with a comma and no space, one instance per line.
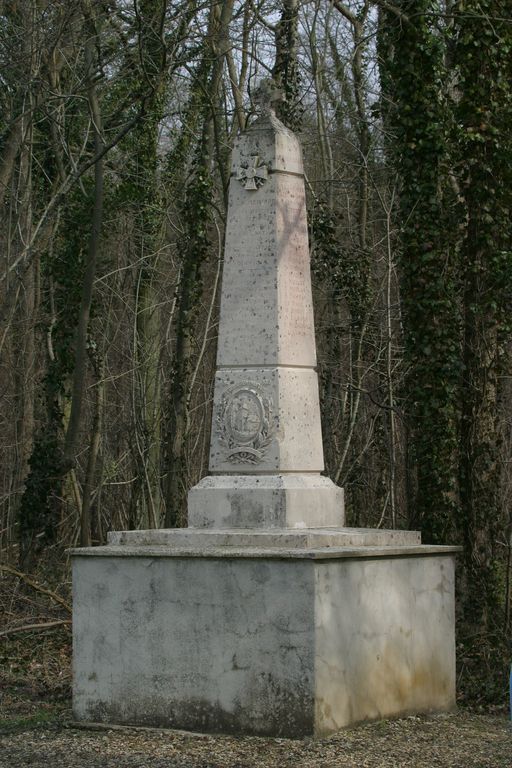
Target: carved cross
267,95
254,175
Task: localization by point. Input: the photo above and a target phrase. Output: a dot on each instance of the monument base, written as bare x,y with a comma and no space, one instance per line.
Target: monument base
302,638
266,501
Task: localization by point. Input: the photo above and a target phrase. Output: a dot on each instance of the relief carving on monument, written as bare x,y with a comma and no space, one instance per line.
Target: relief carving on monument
245,423
252,174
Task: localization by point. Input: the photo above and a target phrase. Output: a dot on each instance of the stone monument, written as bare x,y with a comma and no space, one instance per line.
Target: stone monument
266,447
265,615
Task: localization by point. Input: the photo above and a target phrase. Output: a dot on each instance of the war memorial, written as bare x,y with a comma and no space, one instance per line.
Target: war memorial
266,615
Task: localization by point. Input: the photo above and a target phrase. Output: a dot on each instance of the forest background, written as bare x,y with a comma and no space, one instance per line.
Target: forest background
117,119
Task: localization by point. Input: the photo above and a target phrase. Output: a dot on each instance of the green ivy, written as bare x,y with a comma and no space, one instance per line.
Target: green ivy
346,270
286,71
482,54
413,79
64,267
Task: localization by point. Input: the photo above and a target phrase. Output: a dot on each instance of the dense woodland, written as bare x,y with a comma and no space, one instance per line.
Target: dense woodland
117,119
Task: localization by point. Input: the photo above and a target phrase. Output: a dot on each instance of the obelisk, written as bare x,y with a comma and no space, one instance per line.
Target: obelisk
266,451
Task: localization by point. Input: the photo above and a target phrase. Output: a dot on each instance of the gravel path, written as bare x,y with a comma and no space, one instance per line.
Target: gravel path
459,740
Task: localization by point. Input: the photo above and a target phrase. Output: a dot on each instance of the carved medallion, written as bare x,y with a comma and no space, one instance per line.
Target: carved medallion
245,423
252,175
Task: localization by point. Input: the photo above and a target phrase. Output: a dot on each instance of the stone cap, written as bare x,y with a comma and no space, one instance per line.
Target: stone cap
274,147
324,553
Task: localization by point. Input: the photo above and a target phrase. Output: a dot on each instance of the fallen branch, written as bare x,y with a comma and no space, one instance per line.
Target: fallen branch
30,627
54,596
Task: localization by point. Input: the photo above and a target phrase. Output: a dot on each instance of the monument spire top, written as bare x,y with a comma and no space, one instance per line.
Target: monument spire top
267,95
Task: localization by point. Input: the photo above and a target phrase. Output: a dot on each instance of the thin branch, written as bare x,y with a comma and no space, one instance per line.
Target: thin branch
34,584
66,186
346,12
31,627
394,10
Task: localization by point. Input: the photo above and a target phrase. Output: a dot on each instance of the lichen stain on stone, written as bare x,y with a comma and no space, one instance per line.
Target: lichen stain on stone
283,714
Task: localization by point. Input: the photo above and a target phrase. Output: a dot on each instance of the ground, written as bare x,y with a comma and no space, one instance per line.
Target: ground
36,730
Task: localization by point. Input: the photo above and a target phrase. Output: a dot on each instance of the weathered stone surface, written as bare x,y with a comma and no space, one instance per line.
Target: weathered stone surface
265,501
385,641
281,646
266,306
193,644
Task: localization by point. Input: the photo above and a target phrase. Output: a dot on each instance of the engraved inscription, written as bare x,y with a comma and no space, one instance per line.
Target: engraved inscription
296,304
245,423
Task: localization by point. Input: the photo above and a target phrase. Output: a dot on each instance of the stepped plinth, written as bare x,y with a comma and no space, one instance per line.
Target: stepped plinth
266,615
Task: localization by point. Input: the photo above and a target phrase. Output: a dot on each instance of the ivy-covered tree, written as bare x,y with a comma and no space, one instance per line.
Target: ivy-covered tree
414,106
483,140
448,106
286,66
141,197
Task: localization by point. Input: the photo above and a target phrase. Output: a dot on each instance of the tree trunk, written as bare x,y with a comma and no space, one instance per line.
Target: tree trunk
484,113
148,239
80,366
411,60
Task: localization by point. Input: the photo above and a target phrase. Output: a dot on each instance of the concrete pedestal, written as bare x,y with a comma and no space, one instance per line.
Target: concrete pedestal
299,638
